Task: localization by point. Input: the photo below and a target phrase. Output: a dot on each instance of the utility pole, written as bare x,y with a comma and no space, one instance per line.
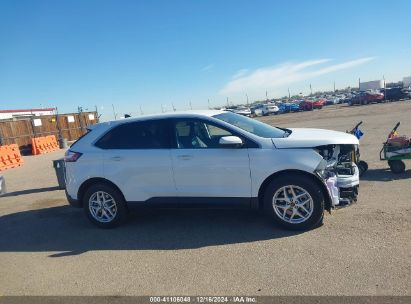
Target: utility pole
191,106
114,112
311,90
227,103
385,87
334,86
289,94
266,95
359,82
174,109
208,102
141,110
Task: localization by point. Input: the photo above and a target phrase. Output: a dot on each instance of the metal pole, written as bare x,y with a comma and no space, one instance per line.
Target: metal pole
114,112
33,127
60,135
97,117
80,111
1,139
289,94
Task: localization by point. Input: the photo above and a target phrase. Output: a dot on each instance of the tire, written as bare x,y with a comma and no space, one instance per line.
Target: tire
397,166
362,167
98,193
313,214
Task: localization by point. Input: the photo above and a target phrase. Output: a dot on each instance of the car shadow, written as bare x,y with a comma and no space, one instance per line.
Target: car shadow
66,231
384,175
30,191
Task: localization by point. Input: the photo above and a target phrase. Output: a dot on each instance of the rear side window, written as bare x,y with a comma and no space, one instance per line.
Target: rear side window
81,137
152,134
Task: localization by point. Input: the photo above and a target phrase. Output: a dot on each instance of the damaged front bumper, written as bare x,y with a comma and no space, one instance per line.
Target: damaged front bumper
340,175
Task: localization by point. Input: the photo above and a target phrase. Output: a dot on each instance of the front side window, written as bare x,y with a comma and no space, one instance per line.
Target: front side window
196,134
251,125
152,134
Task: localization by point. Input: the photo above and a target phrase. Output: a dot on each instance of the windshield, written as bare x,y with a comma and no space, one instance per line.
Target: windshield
250,125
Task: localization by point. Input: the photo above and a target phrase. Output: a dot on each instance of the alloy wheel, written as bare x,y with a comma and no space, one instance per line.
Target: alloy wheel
293,204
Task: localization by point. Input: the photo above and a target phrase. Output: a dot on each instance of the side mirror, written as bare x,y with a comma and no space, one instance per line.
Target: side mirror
231,142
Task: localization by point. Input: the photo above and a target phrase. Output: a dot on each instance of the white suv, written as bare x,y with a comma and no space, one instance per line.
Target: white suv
211,157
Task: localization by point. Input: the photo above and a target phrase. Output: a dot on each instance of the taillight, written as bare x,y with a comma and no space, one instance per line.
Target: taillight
72,156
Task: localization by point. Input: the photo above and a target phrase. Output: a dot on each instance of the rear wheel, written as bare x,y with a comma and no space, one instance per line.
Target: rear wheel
104,206
397,166
295,202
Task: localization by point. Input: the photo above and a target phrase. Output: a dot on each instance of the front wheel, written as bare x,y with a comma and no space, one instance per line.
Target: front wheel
397,166
295,202
104,206
362,167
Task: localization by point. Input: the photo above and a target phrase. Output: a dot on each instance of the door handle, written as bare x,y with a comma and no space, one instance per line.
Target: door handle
116,158
185,157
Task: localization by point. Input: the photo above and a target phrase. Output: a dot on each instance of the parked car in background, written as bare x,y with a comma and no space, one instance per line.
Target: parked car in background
364,98
259,110
218,158
333,100
407,93
243,111
295,107
273,109
394,94
287,107
312,103
319,103
306,105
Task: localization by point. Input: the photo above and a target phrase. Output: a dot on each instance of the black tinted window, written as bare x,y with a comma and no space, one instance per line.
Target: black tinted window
151,134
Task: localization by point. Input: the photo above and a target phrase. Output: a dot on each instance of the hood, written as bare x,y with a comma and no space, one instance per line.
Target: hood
309,138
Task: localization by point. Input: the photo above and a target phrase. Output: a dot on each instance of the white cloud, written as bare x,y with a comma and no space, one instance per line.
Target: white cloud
269,78
207,67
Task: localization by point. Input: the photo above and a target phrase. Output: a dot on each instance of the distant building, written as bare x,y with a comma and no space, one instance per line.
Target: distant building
7,114
406,82
371,85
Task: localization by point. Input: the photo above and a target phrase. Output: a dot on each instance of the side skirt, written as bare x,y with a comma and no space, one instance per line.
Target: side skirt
198,202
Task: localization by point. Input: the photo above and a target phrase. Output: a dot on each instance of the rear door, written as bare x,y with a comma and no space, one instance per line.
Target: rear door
203,168
137,159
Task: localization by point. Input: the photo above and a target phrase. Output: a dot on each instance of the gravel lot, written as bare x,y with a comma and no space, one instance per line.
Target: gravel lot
48,248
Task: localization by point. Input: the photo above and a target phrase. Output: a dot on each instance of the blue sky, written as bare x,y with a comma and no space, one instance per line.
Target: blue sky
154,53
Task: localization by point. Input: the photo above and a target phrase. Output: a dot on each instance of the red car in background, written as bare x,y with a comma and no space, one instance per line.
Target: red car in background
364,98
311,104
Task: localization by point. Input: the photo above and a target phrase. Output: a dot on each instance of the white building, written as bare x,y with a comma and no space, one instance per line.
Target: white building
7,114
371,85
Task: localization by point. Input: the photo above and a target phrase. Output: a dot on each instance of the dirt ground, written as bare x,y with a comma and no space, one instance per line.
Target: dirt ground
48,248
